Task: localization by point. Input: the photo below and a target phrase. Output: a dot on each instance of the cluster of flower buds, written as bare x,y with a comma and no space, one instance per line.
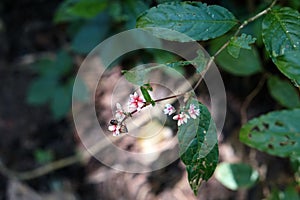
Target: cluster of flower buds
117,125
182,117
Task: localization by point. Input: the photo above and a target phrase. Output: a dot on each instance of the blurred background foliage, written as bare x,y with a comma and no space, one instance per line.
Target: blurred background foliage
49,39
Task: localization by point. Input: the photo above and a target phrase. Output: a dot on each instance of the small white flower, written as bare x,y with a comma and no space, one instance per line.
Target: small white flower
194,112
120,114
135,102
169,109
182,118
115,129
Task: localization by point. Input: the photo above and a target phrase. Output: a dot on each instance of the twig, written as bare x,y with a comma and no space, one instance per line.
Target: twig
250,97
246,22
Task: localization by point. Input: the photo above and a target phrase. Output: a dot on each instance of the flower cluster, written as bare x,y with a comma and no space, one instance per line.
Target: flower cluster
117,125
182,117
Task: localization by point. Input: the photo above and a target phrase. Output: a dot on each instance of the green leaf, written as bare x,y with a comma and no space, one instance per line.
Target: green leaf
283,92
43,156
91,34
289,193
247,64
289,65
62,14
87,8
61,103
140,74
276,133
281,36
41,90
237,175
146,95
80,91
137,75
198,146
236,43
194,19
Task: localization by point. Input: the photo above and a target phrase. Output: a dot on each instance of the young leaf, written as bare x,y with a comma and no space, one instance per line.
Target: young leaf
236,43
276,133
194,19
146,95
248,63
283,92
281,35
198,146
237,175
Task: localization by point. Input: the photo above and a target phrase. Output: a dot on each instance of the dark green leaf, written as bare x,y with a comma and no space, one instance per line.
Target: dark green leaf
288,194
289,65
91,34
62,14
198,146
236,43
237,175
41,90
276,133
194,19
281,36
247,64
61,103
285,93
80,91
87,8
63,62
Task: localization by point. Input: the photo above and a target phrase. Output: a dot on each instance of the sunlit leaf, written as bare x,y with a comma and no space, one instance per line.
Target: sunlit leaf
194,19
276,133
284,92
236,175
198,146
238,43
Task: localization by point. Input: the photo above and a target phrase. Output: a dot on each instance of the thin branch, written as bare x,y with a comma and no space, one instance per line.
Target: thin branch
250,97
246,22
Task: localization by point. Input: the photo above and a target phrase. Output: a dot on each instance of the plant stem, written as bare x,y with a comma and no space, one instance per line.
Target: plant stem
246,22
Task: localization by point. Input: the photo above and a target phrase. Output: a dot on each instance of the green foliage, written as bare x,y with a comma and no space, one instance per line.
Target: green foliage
198,146
43,156
236,43
247,64
53,85
281,36
90,34
195,19
289,193
276,133
283,92
237,175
